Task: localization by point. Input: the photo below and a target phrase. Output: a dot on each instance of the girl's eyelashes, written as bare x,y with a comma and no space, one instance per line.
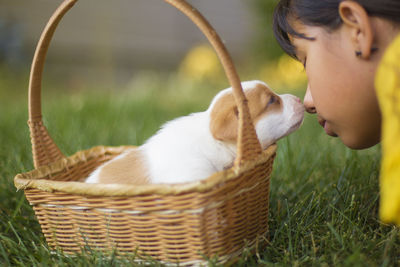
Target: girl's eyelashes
302,61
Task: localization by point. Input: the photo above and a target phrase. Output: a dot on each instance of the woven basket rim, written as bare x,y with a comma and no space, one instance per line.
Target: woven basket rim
31,179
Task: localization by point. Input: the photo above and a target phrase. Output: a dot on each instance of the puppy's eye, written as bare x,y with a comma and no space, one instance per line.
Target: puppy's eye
272,100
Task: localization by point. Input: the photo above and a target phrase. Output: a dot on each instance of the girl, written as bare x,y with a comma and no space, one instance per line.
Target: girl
342,44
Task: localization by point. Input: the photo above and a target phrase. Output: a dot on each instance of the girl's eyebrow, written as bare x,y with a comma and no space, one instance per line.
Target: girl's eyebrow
297,35
297,53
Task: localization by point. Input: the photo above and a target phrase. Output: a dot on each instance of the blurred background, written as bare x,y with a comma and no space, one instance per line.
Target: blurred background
103,44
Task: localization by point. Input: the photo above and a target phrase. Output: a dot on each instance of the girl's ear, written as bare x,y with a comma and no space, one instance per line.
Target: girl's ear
355,17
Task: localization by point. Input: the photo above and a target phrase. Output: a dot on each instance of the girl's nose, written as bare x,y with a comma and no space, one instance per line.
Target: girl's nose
308,102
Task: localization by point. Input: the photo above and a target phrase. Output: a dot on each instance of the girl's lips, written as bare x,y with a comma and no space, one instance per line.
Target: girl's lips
324,125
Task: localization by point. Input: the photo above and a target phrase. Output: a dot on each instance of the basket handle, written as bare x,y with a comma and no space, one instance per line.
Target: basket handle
45,151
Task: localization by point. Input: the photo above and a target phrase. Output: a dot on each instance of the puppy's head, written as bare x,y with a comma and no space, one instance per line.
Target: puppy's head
274,116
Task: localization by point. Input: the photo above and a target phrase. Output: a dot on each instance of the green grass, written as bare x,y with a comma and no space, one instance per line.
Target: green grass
324,197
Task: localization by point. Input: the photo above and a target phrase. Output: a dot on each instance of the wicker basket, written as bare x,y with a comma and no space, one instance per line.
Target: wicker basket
181,223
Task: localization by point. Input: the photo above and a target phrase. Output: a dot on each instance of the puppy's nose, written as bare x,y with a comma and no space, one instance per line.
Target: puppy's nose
309,102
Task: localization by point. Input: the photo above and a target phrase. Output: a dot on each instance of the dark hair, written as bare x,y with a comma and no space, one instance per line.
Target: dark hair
324,13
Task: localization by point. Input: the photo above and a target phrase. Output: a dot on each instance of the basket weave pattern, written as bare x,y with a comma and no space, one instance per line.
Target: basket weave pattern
173,223
220,220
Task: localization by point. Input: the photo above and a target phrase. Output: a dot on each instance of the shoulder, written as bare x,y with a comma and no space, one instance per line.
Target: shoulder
389,67
387,79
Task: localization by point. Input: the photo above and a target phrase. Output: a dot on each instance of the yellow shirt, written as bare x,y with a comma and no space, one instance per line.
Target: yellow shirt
387,83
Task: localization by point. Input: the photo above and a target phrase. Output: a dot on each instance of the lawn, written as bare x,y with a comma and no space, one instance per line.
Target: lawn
324,197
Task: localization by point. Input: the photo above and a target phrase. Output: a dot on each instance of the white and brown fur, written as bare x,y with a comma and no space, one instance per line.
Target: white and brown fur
193,147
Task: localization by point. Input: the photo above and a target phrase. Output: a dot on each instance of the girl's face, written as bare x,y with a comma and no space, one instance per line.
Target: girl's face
340,85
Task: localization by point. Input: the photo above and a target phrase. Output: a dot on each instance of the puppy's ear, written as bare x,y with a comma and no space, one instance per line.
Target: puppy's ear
224,120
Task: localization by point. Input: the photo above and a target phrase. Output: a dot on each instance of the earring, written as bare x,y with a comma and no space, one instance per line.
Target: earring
359,53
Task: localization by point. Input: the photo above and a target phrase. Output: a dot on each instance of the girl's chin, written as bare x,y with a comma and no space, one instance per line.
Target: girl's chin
358,143
353,140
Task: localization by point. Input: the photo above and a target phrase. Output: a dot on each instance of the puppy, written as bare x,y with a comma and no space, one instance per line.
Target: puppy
193,147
